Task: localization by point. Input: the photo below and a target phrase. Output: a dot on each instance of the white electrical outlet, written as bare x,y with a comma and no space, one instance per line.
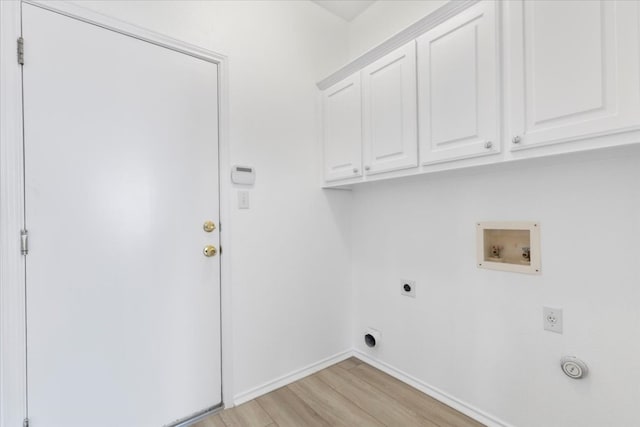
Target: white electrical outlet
408,288
552,319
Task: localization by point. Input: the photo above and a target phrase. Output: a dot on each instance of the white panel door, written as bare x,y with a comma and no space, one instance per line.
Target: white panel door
121,157
389,112
458,91
573,70
342,112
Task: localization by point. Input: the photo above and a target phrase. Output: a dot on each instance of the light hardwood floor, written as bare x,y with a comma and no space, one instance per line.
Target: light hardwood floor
350,393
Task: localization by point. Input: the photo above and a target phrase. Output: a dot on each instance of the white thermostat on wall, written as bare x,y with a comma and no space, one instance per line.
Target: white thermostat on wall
244,175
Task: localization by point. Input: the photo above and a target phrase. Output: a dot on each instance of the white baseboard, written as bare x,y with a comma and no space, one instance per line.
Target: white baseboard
434,392
290,377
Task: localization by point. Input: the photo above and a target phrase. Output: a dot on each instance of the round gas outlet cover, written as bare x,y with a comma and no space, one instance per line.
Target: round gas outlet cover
574,367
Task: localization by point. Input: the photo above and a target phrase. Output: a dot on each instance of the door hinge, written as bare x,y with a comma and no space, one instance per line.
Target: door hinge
25,422
24,242
20,51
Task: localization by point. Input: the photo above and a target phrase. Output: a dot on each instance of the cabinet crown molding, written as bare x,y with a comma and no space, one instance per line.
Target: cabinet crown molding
416,29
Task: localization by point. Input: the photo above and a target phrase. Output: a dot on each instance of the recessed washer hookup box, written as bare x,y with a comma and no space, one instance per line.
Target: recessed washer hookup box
509,246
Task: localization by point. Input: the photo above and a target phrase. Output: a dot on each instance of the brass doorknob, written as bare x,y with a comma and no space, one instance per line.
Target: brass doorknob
209,226
209,250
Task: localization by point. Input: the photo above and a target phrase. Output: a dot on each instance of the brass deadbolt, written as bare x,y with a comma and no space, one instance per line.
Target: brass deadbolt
208,226
209,251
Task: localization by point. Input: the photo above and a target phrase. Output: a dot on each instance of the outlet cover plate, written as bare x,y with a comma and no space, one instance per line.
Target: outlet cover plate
552,319
412,288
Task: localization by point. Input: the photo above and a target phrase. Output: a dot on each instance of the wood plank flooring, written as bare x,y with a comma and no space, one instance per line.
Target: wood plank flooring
348,394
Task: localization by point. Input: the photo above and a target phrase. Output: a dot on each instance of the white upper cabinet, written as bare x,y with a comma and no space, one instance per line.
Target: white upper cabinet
389,112
573,70
458,87
342,111
512,79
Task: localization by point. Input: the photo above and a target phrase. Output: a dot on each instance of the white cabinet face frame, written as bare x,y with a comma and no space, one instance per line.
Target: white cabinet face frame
458,86
342,128
573,70
389,112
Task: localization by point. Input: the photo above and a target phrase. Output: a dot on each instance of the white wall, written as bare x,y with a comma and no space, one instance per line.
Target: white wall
291,259
383,19
477,334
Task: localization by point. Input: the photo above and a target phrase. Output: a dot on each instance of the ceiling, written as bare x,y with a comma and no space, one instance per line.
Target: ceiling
345,9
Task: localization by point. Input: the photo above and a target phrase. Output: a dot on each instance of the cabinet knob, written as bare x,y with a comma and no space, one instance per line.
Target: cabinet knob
367,168
488,145
355,170
516,139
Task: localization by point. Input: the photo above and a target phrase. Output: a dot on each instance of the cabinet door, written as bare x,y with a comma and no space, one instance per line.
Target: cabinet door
343,130
458,91
573,70
389,107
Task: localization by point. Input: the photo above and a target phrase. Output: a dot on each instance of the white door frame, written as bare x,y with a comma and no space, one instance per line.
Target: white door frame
13,370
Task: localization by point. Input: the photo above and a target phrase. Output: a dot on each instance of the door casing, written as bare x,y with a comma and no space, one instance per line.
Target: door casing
13,370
